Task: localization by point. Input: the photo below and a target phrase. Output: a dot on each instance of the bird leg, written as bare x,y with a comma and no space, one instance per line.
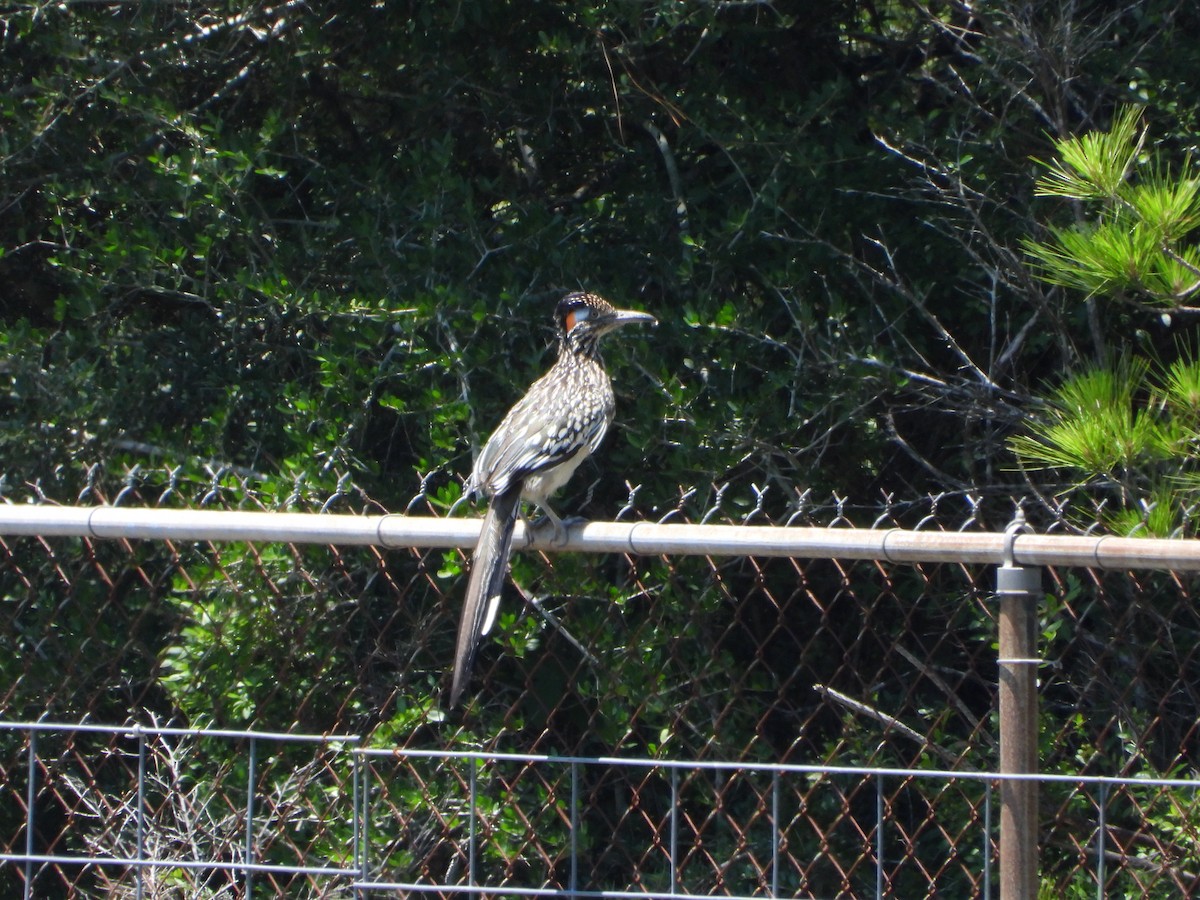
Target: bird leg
548,516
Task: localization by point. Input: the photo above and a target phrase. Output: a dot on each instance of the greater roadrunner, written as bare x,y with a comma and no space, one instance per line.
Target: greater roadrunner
534,452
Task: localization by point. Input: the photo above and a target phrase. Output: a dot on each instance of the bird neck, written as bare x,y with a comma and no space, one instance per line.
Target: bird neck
579,344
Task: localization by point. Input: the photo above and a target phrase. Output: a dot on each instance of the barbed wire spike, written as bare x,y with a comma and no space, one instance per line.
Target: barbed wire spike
214,487
802,498
172,487
630,501
685,494
340,492
760,496
973,503
717,500
89,487
132,480
839,505
1185,520
1098,507
422,493
930,516
295,497
886,514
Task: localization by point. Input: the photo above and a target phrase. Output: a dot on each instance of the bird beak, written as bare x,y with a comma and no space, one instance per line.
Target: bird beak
630,317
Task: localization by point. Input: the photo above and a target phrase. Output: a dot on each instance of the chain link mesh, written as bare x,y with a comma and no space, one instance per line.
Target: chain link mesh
742,660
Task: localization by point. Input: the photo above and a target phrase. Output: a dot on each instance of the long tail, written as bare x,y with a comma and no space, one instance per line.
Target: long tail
486,582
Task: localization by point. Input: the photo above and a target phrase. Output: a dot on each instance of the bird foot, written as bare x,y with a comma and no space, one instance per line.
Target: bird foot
561,527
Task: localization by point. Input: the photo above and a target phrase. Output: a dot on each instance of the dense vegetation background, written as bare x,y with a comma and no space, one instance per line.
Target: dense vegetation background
303,255
293,241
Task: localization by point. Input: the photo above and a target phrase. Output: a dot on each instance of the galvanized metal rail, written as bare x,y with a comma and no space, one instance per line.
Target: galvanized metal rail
895,545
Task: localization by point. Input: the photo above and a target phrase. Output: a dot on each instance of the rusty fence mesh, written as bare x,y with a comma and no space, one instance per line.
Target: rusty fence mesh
267,720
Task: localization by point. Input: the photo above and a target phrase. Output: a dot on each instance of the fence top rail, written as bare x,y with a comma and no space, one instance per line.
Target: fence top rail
895,545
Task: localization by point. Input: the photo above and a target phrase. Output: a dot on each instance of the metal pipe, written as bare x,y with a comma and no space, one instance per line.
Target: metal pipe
879,846
472,827
251,778
776,834
573,884
987,841
141,813
1018,588
674,831
1102,843
30,801
645,538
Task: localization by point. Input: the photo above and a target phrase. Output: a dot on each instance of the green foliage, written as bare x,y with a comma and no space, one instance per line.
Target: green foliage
1128,429
1095,165
1132,239
1093,424
267,239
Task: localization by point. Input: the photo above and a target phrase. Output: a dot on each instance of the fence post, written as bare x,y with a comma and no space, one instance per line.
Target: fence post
1018,588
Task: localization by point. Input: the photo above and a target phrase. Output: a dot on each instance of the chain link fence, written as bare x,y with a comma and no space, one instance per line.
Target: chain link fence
659,726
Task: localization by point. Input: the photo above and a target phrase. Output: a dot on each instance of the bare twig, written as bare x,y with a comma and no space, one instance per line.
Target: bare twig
889,723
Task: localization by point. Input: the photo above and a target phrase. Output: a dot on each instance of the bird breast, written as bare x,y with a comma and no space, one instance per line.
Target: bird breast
545,437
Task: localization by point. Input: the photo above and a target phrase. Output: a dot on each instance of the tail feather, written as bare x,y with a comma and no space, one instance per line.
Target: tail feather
488,568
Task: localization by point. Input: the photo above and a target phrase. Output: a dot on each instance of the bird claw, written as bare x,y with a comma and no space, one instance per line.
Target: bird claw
561,527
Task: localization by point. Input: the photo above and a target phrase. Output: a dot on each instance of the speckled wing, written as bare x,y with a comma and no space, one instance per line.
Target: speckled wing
548,426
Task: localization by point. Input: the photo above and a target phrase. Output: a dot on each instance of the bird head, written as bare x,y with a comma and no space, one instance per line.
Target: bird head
584,318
